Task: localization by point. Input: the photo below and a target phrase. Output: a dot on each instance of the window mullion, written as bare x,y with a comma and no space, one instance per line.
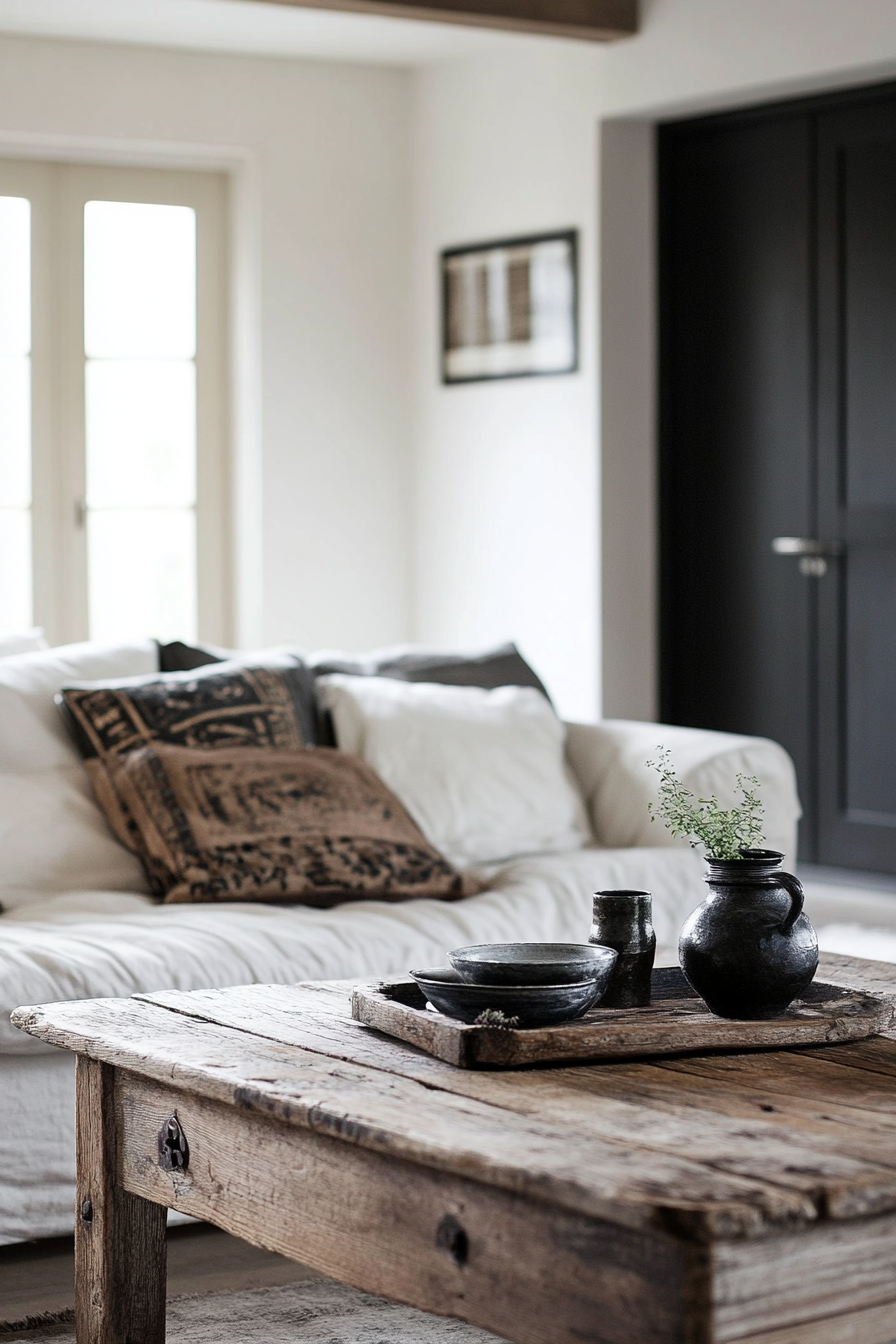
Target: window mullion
213,514
70,434
46,561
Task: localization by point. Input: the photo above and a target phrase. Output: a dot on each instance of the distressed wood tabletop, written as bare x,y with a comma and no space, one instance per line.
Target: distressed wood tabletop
693,1199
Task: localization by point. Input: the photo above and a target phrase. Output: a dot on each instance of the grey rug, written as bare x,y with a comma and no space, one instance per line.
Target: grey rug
315,1311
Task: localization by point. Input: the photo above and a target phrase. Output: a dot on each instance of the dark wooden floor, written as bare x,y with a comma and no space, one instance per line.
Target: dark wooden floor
37,1276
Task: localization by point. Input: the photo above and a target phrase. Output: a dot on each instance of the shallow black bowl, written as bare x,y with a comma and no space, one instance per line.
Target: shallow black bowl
532,963
533,1005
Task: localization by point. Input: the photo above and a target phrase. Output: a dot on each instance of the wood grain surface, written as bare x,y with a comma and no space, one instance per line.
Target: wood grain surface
725,1197
436,1240
120,1251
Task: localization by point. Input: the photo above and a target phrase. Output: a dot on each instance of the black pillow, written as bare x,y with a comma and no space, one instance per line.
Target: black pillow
180,657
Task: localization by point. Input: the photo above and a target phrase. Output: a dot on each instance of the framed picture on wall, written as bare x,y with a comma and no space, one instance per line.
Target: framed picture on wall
510,308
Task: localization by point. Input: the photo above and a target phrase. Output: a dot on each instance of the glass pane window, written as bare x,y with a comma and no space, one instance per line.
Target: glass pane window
140,397
142,573
141,433
15,413
139,281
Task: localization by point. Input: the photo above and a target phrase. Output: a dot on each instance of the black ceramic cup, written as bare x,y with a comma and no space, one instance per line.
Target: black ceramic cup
623,920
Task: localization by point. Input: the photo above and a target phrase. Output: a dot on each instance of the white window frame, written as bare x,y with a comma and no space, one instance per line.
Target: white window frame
58,193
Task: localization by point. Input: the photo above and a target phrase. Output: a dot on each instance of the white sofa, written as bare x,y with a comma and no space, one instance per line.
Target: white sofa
74,934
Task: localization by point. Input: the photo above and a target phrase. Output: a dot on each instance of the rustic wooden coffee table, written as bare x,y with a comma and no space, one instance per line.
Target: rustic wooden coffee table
696,1200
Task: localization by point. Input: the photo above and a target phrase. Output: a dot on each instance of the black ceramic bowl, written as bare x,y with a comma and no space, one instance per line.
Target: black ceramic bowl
533,963
533,1005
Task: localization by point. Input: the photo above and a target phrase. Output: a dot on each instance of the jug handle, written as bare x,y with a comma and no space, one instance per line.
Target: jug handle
794,888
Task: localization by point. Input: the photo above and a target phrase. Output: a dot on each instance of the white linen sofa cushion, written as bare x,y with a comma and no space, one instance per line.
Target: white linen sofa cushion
53,836
22,641
483,773
610,761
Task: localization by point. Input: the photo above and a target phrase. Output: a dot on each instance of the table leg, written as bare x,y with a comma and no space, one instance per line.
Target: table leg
120,1251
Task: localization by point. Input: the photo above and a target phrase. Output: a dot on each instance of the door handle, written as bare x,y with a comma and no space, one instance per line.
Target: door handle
805,546
812,553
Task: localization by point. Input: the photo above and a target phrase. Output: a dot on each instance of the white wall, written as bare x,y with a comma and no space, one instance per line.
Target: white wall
320,157
507,474
700,55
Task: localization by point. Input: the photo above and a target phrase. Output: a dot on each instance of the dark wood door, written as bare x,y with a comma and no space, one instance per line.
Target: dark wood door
857,486
778,420
737,430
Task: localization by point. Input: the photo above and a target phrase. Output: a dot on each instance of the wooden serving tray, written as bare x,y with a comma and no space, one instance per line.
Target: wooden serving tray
676,1022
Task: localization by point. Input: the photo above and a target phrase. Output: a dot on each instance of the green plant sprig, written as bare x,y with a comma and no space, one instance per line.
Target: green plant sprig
724,833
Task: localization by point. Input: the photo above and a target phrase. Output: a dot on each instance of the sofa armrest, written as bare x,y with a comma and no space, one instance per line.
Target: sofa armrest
609,760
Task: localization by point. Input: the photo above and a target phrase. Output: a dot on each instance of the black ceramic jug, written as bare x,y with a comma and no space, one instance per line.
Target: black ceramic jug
749,950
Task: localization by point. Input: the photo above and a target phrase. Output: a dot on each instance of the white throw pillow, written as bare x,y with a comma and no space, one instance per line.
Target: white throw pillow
483,773
22,641
53,836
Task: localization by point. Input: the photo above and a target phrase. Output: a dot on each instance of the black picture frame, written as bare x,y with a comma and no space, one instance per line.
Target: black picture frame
510,308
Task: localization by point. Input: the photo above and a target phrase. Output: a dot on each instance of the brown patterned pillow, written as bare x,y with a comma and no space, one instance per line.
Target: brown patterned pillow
317,827
226,705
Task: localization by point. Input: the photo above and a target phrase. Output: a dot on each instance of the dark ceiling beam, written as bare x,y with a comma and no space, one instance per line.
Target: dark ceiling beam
595,20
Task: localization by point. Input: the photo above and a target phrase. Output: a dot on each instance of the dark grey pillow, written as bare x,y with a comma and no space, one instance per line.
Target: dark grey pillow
503,666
